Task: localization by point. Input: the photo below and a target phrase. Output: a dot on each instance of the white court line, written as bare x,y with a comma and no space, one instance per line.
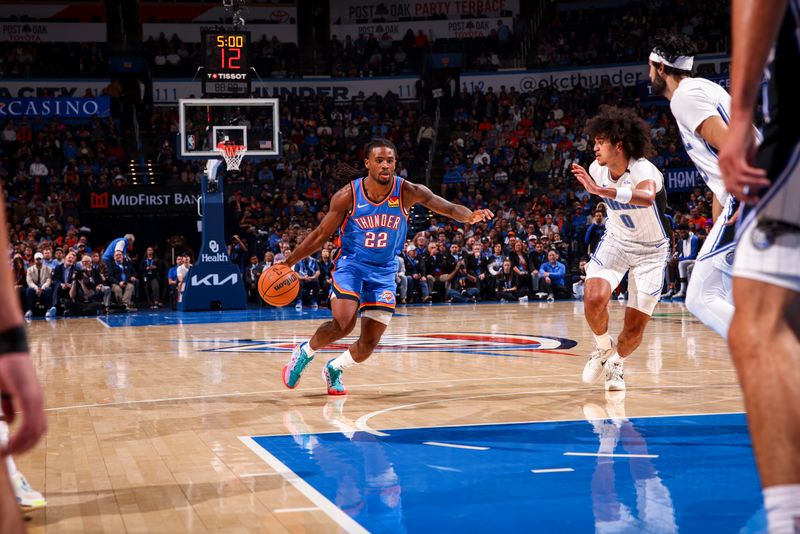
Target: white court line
345,522
362,423
293,510
554,470
102,322
455,446
253,475
443,468
369,386
610,455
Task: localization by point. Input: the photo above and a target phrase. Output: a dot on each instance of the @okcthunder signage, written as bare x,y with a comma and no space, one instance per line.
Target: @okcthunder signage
483,344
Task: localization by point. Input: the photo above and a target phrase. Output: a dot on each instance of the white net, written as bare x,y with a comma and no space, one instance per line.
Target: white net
233,155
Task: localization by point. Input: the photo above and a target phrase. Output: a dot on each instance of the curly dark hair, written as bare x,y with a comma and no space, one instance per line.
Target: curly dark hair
672,47
622,125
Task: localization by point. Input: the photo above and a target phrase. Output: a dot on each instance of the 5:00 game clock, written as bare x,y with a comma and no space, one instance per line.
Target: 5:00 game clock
226,58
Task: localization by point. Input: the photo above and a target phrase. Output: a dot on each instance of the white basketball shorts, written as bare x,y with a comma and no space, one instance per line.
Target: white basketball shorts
768,247
644,263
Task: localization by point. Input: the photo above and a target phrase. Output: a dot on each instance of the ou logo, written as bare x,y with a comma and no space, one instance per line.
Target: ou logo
214,246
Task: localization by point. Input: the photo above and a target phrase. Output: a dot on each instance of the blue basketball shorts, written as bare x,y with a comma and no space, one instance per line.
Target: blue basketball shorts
374,287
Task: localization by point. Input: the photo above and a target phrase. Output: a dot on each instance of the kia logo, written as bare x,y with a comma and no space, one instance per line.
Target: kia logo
214,280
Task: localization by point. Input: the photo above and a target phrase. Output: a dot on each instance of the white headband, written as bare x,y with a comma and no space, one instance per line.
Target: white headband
680,63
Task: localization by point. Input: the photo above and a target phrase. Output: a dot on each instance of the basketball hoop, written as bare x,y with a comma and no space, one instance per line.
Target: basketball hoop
233,155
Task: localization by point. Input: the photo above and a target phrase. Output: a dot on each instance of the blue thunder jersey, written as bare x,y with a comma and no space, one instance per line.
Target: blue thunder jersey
374,233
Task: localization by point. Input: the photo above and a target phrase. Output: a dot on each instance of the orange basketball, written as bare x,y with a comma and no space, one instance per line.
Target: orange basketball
279,285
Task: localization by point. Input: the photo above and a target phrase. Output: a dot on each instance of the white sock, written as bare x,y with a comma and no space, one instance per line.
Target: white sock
307,347
343,361
12,467
614,358
603,341
782,504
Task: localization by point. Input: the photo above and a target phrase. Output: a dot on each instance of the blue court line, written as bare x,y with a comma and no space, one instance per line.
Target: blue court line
704,477
171,318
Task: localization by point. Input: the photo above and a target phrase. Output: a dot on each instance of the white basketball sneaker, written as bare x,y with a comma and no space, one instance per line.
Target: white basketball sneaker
594,367
614,376
27,497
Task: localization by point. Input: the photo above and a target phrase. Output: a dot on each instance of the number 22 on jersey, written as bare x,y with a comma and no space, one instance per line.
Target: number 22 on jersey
373,240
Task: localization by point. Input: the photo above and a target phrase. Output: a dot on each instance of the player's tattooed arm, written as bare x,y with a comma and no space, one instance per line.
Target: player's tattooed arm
341,206
419,194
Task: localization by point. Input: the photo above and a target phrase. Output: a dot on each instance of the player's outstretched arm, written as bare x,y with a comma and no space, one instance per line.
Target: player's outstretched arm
341,204
419,194
643,195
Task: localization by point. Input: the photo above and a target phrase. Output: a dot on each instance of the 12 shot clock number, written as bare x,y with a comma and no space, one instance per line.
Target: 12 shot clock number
227,63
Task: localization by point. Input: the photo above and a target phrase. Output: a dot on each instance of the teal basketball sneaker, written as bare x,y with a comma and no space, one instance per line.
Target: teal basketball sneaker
333,378
296,366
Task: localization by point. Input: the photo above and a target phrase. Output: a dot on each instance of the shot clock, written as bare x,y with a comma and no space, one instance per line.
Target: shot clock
226,58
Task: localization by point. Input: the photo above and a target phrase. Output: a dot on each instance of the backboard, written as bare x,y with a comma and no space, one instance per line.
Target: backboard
206,122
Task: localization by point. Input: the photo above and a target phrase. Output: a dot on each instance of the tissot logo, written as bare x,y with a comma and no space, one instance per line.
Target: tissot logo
99,201
226,76
214,280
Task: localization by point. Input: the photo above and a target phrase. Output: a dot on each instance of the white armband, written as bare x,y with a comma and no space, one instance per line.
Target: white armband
624,195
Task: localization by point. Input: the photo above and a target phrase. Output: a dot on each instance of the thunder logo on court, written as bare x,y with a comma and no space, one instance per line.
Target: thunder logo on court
509,345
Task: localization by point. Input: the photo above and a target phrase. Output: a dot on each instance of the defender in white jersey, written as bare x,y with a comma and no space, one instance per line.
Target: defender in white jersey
702,111
636,240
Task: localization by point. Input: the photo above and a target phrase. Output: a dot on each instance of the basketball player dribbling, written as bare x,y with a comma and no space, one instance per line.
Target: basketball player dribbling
371,216
636,240
764,337
702,111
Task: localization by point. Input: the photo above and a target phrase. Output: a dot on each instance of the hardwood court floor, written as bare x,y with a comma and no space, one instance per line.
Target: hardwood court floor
145,421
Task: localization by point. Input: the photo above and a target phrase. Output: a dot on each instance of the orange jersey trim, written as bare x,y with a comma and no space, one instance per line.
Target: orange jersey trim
343,292
364,193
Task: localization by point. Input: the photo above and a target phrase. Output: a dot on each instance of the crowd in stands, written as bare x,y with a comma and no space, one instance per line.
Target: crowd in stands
53,60
380,55
600,35
45,165
508,151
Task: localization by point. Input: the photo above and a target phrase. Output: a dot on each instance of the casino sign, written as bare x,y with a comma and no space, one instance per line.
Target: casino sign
451,342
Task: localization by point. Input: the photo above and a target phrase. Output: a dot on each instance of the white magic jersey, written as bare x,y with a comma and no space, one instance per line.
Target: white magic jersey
626,222
694,101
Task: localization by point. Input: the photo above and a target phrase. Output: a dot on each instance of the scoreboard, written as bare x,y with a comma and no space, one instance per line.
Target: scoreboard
226,58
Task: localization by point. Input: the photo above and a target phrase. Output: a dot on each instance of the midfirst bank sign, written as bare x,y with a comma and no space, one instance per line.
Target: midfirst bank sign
154,200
